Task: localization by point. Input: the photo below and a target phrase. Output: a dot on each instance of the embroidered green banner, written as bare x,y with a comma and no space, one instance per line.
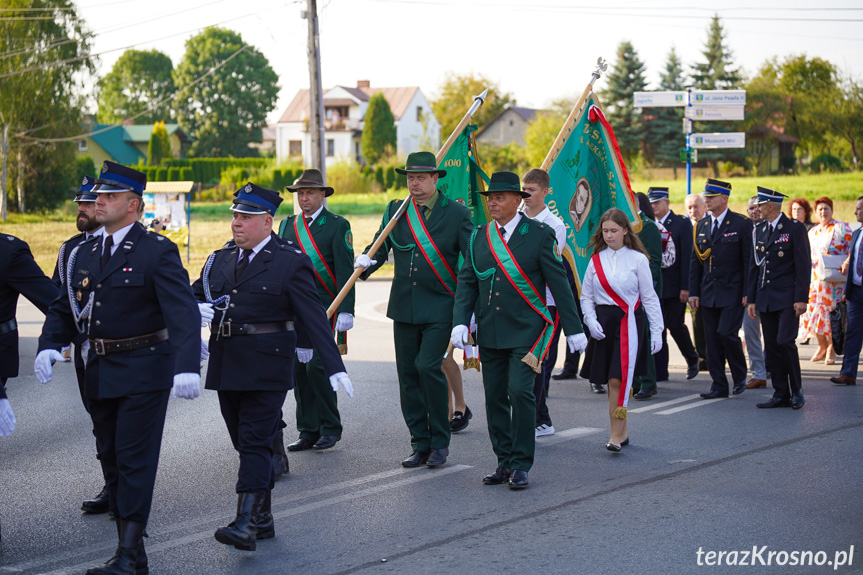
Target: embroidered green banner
464,178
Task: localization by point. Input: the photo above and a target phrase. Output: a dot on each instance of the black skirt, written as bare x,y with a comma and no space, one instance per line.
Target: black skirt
602,357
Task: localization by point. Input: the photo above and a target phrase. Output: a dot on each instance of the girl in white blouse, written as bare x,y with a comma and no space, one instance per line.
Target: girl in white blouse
616,291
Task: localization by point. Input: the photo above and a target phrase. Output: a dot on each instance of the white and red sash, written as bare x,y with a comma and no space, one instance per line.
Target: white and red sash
628,337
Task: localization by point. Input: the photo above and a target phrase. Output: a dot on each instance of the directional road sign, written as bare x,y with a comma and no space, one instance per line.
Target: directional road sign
718,97
718,140
659,99
714,112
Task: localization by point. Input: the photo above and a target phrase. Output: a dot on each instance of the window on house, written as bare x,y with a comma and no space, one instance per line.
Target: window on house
82,145
295,148
331,147
419,113
510,123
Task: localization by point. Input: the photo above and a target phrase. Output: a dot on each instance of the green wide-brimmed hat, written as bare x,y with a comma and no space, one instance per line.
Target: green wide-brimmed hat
505,182
422,163
311,178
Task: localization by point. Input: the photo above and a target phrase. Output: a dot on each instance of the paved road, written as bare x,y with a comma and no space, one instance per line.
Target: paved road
715,476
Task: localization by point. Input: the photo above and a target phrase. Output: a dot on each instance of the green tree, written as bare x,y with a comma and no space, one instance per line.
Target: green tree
379,130
766,112
664,126
543,129
717,72
159,146
226,110
848,117
811,83
456,95
139,82
625,78
44,60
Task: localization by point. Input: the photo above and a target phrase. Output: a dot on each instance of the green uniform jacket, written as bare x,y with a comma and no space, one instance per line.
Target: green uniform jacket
332,235
417,295
504,319
651,237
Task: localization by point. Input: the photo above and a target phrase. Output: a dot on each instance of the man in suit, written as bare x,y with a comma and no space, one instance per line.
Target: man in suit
426,242
854,302
675,285
717,285
779,290
257,286
130,295
87,227
752,327
644,386
696,209
326,238
19,275
503,277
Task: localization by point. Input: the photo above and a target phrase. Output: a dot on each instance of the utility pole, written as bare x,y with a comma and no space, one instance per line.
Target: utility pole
4,152
316,118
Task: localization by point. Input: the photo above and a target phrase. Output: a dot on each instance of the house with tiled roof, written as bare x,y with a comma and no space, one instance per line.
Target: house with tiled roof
507,127
126,144
345,109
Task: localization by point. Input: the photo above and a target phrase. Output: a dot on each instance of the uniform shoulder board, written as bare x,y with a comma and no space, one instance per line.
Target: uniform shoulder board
10,238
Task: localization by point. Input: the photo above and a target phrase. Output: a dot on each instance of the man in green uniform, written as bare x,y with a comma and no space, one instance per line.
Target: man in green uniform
504,276
644,386
326,238
426,244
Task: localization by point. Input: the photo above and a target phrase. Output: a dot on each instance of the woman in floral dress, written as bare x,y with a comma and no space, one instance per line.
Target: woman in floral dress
829,237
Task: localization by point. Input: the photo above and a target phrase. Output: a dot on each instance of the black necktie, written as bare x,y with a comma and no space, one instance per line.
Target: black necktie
308,220
242,263
503,233
858,264
106,253
715,231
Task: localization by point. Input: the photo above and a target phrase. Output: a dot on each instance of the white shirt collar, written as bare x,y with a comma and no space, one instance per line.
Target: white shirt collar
719,219
510,227
99,232
665,218
315,215
120,235
257,248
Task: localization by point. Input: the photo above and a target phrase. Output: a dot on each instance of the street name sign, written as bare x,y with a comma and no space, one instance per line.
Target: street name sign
659,99
718,140
714,112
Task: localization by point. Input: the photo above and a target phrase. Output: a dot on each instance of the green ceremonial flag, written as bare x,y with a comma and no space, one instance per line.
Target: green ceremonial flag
587,178
464,178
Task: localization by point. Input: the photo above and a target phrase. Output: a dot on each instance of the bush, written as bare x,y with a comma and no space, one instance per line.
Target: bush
187,174
161,175
390,179
348,178
173,174
825,163
84,167
379,177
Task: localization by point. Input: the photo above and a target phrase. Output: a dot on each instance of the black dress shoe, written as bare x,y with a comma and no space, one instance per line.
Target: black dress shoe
500,476
775,402
460,420
713,395
797,400
242,532
692,370
597,388
644,394
565,374
612,447
326,441
625,442
518,479
301,444
416,459
437,457
98,504
702,365
739,388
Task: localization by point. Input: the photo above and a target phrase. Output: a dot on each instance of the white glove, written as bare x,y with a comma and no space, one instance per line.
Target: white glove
472,326
459,336
341,378
187,385
363,261
344,322
205,350
655,344
207,313
304,354
44,364
7,418
596,330
577,342
85,350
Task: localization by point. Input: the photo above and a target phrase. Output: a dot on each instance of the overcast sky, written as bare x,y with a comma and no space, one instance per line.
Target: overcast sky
540,50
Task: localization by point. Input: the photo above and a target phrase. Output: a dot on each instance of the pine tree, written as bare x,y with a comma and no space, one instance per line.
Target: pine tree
154,148
664,128
379,129
626,78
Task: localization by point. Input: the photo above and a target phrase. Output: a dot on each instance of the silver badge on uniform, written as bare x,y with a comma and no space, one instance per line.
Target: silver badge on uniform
780,254
248,188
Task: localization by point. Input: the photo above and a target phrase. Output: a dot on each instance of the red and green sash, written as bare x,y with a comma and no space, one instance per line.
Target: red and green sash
519,280
429,249
308,245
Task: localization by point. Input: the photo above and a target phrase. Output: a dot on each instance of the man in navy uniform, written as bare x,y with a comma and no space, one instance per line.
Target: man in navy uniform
717,285
256,287
87,227
778,291
326,238
854,302
675,285
130,295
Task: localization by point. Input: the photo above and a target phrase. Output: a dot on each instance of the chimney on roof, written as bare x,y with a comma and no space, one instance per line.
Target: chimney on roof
363,84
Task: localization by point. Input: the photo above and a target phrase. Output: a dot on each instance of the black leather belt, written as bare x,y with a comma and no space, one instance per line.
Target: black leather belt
229,329
105,346
8,326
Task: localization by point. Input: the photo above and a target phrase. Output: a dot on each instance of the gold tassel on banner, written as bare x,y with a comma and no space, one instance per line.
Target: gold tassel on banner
620,412
533,362
472,363
343,349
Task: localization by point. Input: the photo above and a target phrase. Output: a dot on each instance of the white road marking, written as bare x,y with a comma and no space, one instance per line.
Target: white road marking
701,403
653,406
566,435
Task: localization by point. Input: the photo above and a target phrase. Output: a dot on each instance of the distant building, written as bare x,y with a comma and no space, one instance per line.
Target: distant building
345,110
267,146
771,150
507,127
126,144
